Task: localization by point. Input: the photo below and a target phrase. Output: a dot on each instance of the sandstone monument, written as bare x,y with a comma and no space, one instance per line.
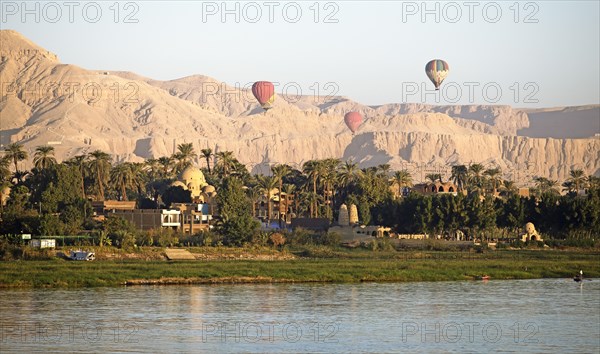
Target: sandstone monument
343,218
353,215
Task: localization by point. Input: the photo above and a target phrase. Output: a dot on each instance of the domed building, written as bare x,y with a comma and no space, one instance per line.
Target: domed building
191,179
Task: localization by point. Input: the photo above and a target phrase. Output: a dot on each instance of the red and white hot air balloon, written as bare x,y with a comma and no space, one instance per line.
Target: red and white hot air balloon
264,91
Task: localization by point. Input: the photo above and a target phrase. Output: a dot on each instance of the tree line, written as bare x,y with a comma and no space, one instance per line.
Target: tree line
54,198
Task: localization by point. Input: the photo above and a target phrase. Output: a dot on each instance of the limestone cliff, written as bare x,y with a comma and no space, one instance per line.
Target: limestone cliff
131,117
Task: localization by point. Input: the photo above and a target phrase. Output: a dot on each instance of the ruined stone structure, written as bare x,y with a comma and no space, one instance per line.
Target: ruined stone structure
344,218
353,214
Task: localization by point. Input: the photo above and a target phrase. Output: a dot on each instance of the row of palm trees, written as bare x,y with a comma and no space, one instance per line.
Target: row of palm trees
319,186
98,166
575,184
476,177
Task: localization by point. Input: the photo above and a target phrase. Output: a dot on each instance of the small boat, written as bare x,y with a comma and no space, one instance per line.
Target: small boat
482,277
579,277
80,255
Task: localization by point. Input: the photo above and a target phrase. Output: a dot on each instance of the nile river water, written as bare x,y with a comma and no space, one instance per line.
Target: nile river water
524,316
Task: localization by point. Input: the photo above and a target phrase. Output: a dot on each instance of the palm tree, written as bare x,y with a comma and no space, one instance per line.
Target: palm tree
185,153
81,162
329,182
100,167
44,157
121,178
569,187
434,177
544,184
279,172
475,175
225,162
313,200
494,176
207,154
4,170
139,176
593,182
402,179
19,177
166,164
460,176
312,170
577,177
384,168
290,189
266,185
4,178
509,187
349,173
16,153
153,168
254,195
552,184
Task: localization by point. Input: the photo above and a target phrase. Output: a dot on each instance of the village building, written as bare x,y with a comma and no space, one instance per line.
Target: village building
437,187
280,210
187,218
147,219
192,179
103,207
194,217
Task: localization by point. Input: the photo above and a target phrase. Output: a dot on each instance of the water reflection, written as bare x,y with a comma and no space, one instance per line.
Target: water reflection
551,315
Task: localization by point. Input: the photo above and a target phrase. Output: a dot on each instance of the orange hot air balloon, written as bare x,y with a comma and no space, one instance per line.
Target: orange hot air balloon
264,91
353,121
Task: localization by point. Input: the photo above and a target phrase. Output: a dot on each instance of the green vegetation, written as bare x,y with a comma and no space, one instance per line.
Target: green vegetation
55,199
318,264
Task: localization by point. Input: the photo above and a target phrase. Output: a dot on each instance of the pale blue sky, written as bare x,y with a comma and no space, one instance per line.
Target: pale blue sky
375,52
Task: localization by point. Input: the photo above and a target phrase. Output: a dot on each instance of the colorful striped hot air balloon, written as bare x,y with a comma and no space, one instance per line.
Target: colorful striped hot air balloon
353,120
437,70
264,91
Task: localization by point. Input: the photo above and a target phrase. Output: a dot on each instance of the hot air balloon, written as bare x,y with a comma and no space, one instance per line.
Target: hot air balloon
437,70
353,120
264,91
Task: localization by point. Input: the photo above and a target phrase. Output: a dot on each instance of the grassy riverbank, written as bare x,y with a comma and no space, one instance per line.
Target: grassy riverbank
313,265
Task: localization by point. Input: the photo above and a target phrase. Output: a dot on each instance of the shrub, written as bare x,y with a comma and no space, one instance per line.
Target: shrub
260,238
301,237
330,239
147,238
124,239
167,237
277,239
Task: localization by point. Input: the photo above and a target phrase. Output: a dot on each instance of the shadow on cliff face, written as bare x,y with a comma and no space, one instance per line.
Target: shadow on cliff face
142,147
363,151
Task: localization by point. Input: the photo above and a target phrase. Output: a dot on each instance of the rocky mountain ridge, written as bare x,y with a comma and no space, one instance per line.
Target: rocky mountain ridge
133,118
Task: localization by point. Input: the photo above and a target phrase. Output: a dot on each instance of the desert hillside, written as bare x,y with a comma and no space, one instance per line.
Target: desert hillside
133,118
